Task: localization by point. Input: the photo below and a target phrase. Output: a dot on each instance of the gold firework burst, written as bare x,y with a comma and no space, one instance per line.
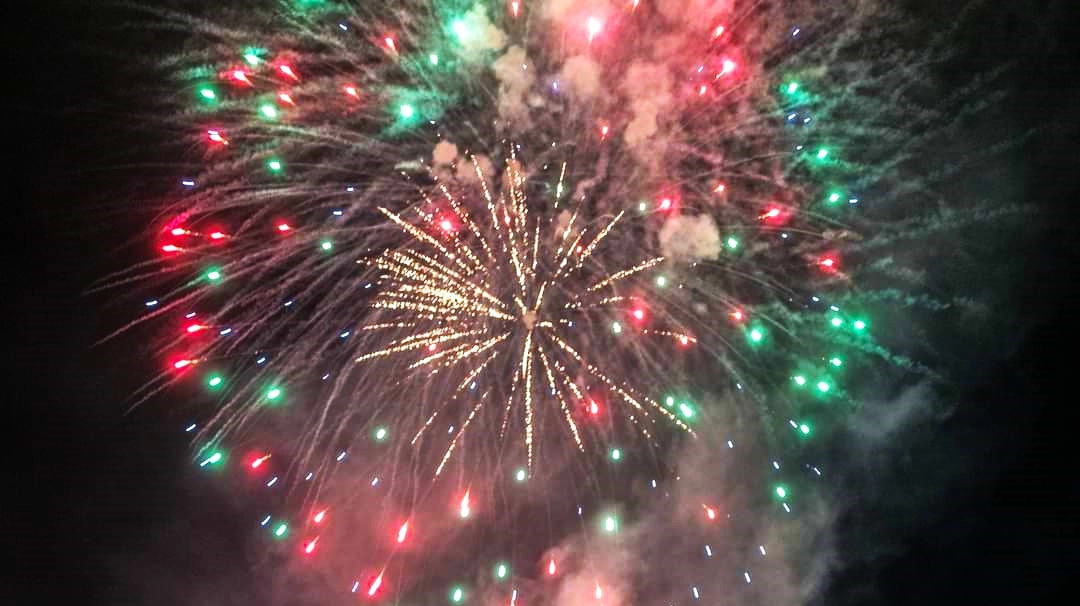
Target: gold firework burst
501,287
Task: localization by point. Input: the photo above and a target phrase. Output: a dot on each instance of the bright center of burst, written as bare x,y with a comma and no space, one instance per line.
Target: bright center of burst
529,319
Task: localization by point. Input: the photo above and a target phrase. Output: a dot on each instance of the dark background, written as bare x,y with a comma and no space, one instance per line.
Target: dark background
101,507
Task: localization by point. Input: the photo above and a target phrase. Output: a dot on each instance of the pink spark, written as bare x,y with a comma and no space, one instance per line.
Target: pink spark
464,509
288,71
593,25
375,585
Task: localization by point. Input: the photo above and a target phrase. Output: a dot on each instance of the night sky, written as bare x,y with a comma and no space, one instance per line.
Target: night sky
101,505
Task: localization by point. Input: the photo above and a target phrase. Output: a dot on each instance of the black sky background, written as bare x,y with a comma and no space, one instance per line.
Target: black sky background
101,507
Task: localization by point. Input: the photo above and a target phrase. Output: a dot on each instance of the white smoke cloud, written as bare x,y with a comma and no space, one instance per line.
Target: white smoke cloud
687,237
562,9
878,422
648,88
694,14
445,153
515,77
670,552
602,579
449,163
477,35
580,77
671,549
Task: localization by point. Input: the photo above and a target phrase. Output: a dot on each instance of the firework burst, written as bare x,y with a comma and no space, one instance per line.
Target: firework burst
469,235
500,295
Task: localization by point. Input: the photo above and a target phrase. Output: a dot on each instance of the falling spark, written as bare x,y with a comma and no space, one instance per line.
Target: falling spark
375,585
593,25
709,512
463,509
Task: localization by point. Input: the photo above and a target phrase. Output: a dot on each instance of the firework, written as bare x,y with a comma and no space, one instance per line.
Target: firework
524,242
501,296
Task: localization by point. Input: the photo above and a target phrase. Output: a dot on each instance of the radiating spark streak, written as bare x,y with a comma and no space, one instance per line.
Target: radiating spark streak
473,228
464,426
566,254
539,298
517,262
469,378
598,239
526,362
618,388
424,427
536,248
615,277
412,342
466,350
566,231
681,337
605,302
418,267
559,187
509,405
483,184
420,235
562,401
